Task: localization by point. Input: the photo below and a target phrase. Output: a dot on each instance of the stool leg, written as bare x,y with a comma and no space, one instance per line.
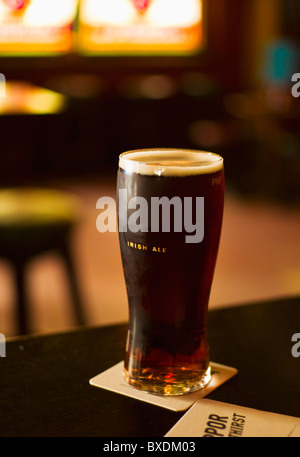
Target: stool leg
77,303
21,297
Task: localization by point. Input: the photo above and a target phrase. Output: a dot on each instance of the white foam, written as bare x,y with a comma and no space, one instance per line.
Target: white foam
170,162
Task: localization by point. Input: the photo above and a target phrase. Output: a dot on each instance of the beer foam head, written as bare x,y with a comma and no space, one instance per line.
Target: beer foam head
170,162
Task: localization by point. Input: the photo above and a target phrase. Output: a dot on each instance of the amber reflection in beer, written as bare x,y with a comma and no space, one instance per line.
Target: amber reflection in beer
169,280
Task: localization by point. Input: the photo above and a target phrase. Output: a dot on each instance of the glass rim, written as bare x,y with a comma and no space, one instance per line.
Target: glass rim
210,161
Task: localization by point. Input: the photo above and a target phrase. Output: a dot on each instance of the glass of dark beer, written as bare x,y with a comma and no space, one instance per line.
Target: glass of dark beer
170,209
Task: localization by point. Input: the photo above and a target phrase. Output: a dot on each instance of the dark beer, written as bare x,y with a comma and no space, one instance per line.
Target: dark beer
168,273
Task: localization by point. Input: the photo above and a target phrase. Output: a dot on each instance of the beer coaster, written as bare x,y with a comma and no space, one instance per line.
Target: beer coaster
212,418
113,380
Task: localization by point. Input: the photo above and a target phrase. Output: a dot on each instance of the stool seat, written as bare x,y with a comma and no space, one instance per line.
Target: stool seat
37,206
34,221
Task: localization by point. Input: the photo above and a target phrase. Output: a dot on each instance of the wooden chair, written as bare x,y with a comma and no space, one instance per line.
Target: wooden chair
33,222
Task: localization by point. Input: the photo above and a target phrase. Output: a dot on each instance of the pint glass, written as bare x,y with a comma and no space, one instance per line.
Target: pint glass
170,209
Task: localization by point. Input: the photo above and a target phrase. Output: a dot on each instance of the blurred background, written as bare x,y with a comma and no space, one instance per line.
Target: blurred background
83,81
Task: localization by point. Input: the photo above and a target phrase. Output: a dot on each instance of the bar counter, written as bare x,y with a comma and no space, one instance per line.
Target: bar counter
45,388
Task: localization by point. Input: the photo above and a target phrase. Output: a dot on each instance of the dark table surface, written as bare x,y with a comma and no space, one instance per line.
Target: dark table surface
45,390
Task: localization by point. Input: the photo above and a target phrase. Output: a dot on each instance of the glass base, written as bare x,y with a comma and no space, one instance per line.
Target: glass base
169,382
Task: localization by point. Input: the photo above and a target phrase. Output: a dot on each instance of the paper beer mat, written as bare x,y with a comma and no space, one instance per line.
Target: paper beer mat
113,380
209,418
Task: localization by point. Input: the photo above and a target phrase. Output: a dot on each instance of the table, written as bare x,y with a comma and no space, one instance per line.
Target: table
45,390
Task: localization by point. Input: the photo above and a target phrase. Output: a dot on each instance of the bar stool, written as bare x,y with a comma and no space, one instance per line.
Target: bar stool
35,221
